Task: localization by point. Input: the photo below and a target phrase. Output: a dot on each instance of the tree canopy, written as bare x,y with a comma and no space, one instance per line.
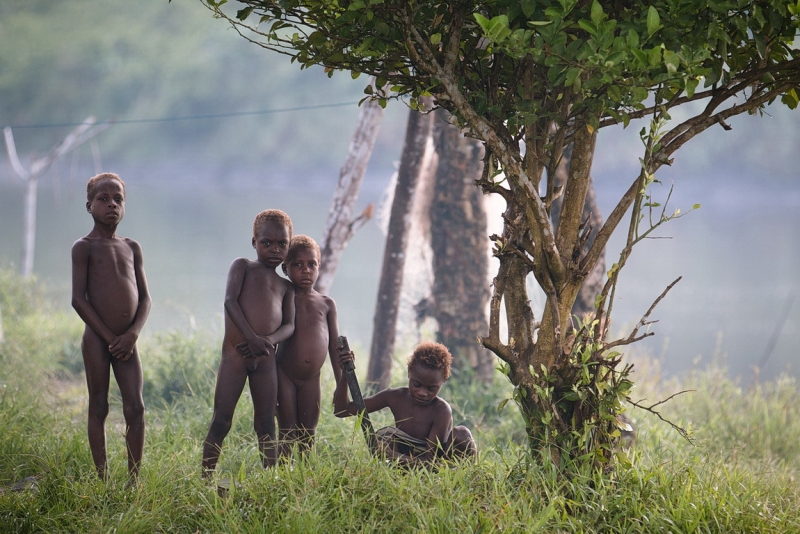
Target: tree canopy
529,79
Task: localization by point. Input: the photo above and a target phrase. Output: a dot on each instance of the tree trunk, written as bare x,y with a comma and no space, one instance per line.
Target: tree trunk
458,216
385,320
340,227
585,301
29,230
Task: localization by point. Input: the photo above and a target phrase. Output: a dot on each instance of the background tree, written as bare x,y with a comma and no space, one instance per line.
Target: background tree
460,294
39,166
394,255
528,79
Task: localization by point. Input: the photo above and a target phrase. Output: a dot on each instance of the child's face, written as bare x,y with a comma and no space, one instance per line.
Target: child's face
107,205
424,383
271,243
303,268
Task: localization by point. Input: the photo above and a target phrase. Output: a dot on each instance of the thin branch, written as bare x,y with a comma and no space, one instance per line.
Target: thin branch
682,431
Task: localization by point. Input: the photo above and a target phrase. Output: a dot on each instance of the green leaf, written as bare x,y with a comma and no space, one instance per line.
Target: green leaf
502,405
242,14
653,21
528,7
572,75
495,29
597,14
588,27
691,86
632,38
672,61
436,38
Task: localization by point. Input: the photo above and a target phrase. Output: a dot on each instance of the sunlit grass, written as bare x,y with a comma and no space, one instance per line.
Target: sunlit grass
739,475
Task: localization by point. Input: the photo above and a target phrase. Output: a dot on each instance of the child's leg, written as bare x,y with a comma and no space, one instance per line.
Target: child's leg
287,412
97,362
230,382
129,378
308,408
264,390
462,445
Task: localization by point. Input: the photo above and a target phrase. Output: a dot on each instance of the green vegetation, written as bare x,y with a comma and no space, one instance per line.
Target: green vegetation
739,476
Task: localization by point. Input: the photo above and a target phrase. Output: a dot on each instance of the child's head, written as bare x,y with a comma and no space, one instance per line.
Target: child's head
301,243
91,185
432,355
277,216
428,370
302,262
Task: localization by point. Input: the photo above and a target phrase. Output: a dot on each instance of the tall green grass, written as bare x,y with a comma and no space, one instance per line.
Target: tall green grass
739,475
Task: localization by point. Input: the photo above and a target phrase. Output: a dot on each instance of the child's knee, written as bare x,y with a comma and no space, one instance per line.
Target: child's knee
133,413
264,426
98,407
220,425
462,442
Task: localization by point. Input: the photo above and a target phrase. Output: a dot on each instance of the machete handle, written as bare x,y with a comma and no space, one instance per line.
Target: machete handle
342,343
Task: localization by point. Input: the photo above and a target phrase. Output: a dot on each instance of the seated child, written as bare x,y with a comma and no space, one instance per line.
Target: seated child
109,292
301,357
259,314
424,421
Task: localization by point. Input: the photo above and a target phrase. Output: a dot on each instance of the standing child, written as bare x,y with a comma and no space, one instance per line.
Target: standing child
109,292
301,357
259,314
424,421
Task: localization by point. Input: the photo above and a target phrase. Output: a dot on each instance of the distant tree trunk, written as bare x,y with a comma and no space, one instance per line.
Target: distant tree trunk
39,166
340,226
385,320
584,303
29,226
460,250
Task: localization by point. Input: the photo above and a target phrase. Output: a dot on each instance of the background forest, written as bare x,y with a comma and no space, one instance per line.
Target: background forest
209,129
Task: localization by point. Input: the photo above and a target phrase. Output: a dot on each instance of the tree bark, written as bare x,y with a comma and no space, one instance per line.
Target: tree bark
340,226
585,301
385,319
458,220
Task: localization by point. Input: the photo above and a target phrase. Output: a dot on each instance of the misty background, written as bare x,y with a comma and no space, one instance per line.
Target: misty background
210,129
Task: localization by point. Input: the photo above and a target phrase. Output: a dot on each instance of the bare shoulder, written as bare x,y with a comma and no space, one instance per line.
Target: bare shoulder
133,244
81,245
239,264
329,301
395,397
441,407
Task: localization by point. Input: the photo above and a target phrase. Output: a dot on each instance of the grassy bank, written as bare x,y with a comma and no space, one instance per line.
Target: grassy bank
739,475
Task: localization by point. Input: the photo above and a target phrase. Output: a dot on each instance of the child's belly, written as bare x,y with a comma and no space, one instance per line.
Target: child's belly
304,357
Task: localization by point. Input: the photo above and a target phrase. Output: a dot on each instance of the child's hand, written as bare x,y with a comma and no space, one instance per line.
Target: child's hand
258,347
346,357
122,346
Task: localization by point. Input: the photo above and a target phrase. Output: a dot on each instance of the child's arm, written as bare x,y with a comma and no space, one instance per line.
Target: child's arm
286,329
256,346
80,272
343,406
122,346
439,433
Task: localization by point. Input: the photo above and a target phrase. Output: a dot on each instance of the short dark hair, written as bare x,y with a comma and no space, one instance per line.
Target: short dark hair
302,242
277,216
433,355
91,185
